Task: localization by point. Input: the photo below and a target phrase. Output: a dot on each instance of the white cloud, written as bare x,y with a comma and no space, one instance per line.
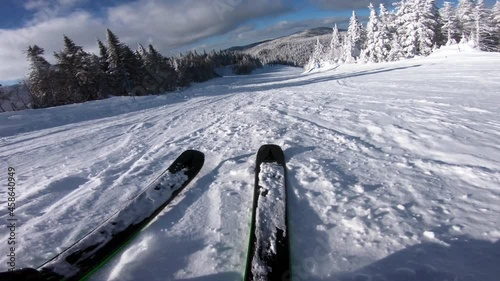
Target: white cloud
41,4
285,27
167,24
13,43
175,23
35,4
342,5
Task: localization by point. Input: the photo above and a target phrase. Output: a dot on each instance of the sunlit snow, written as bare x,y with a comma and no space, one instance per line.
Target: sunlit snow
394,171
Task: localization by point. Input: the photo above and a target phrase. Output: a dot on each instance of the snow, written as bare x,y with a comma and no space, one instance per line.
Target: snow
134,211
394,171
270,216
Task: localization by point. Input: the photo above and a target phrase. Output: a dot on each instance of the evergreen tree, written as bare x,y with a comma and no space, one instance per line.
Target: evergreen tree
193,68
388,35
372,51
335,51
125,67
495,22
116,69
465,17
396,52
428,26
317,57
103,56
71,64
39,78
246,64
407,31
485,33
354,40
449,30
418,26
387,18
103,77
160,71
495,14
141,52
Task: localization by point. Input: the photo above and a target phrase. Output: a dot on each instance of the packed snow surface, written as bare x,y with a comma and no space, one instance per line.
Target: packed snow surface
133,212
393,169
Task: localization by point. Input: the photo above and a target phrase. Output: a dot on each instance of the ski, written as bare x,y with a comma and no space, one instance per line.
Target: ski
87,255
268,250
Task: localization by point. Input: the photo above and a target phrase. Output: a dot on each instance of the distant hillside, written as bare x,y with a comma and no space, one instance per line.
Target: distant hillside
294,49
241,48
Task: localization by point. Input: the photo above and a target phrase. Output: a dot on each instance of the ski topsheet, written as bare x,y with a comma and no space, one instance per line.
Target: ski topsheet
90,253
268,251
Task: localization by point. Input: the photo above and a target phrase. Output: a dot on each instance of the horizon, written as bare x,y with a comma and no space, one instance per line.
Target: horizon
193,24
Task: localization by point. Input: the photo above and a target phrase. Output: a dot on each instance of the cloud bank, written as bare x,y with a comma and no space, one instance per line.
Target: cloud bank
168,24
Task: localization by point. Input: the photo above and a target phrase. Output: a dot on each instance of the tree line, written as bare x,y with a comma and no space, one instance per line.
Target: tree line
414,28
78,76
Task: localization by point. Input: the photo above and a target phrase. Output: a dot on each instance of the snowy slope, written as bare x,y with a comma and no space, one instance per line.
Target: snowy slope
295,48
394,172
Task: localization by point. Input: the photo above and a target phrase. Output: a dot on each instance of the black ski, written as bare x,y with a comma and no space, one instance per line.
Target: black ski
91,252
268,250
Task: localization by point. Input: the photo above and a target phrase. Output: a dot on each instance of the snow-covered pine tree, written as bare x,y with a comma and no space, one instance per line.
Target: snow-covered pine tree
485,37
317,57
428,26
335,51
418,26
141,51
386,33
103,56
387,18
465,17
114,61
354,41
396,52
193,68
39,78
104,79
73,65
371,52
160,71
495,14
246,64
124,65
407,27
495,21
449,29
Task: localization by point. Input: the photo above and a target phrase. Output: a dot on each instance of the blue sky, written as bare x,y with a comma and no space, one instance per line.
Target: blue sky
172,26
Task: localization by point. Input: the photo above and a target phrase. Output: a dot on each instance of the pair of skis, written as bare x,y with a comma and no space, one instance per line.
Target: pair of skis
268,251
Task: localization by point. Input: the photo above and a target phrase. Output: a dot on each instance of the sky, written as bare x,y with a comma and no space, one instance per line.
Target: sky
172,26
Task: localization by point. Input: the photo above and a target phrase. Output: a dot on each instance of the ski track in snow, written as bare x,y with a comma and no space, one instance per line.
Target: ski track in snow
394,172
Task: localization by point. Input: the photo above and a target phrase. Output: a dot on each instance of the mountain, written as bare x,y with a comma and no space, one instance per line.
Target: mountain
242,48
294,49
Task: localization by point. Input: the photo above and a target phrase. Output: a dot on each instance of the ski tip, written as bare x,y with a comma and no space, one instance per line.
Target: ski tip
194,153
193,160
198,156
270,153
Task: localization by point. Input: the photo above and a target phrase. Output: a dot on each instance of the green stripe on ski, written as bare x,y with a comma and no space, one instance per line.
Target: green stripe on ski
104,262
